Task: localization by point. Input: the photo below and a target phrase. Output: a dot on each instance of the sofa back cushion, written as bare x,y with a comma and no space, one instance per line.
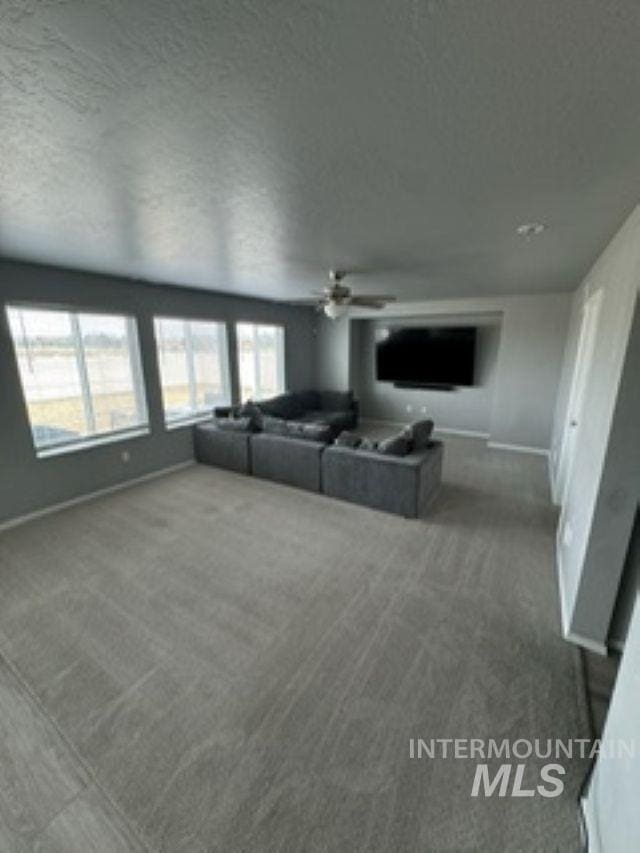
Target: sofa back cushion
283,406
420,434
296,429
234,424
308,400
336,401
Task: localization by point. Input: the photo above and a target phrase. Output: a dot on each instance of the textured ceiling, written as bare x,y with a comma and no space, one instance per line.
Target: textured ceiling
249,145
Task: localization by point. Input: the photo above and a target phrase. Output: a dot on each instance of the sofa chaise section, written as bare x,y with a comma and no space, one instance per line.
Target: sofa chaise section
285,459
404,485
223,448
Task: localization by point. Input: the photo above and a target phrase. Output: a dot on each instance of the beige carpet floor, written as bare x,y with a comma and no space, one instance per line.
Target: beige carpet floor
209,662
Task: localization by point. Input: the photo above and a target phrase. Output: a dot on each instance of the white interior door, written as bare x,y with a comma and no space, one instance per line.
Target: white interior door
579,382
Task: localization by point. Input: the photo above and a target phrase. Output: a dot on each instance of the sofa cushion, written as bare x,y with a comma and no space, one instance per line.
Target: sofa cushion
348,439
283,406
308,400
275,426
396,445
234,424
318,416
310,431
333,401
420,434
297,429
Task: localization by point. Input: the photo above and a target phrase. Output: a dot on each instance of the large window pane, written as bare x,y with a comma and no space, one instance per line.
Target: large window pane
111,373
80,373
194,367
260,360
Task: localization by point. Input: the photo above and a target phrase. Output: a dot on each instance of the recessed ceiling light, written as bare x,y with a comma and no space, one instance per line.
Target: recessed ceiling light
530,229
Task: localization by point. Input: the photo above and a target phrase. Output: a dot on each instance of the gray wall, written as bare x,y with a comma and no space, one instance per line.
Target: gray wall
602,492
534,332
516,401
333,344
27,483
466,409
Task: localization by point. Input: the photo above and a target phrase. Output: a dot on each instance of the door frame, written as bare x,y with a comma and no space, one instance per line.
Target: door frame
579,381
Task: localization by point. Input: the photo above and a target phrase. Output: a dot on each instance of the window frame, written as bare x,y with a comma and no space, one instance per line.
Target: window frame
282,356
85,442
196,415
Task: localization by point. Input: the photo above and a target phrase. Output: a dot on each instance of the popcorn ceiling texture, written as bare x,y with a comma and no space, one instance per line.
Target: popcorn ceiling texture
248,146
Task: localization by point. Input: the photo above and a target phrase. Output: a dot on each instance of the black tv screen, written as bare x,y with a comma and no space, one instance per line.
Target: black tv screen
439,355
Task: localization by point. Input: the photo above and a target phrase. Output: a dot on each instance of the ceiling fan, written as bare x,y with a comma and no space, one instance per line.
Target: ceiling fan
336,298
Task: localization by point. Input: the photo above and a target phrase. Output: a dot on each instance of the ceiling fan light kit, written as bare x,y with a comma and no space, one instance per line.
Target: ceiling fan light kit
334,310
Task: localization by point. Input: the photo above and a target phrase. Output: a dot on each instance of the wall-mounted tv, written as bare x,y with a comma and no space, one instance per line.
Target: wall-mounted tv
427,357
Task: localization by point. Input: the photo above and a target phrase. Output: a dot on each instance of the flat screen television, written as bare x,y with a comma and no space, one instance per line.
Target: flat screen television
427,357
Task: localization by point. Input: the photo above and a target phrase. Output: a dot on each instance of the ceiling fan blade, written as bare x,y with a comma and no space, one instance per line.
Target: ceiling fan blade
367,302
310,300
374,297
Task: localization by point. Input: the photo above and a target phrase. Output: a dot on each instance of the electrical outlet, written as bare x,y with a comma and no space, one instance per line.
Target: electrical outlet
125,456
409,408
424,410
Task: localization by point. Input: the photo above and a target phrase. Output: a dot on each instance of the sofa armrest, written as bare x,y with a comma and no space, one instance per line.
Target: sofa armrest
222,448
400,484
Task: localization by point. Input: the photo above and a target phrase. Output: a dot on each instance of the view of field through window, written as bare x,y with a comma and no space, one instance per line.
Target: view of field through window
80,373
260,360
194,369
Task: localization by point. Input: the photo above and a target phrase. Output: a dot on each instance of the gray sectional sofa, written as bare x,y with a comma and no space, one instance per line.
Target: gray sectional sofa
401,475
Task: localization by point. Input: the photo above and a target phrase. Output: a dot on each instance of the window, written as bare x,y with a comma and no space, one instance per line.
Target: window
194,367
260,360
80,374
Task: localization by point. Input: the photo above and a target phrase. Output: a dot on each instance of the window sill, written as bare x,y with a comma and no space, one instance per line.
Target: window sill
189,421
89,443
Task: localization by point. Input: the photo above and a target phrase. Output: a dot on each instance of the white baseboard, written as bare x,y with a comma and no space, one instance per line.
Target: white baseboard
468,433
519,448
39,513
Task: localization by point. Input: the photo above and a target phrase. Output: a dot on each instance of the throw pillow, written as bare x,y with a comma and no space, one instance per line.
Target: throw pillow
348,439
368,444
283,406
251,410
396,445
234,424
420,433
